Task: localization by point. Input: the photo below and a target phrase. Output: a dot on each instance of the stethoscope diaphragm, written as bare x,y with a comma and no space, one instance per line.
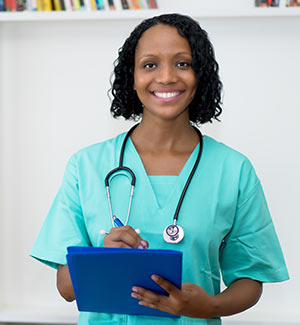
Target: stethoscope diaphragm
173,234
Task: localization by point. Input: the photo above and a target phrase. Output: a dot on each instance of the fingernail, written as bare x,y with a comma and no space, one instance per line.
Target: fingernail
144,243
154,277
134,289
141,247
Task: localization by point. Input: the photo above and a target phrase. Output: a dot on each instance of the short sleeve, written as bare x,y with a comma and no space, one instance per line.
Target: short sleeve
64,225
252,249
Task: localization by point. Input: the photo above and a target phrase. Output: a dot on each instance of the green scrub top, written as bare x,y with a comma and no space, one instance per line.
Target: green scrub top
227,224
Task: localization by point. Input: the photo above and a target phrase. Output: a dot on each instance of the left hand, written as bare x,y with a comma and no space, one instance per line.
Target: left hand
191,300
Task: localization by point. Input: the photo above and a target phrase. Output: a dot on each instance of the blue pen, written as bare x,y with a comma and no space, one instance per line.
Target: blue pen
118,222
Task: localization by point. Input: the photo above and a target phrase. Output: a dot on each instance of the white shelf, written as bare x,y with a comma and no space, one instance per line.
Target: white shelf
36,317
141,14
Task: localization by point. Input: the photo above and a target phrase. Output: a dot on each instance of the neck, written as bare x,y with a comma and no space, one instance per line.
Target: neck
161,136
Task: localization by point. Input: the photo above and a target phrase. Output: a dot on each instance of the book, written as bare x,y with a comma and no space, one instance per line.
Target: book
39,5
136,4
93,5
62,5
111,5
76,5
87,5
2,5
142,4
10,5
292,3
124,4
101,3
267,3
46,5
20,5
103,277
57,5
82,5
98,4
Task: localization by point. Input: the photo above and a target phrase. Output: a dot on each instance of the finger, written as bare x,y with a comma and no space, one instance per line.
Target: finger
147,297
152,300
128,236
115,244
165,284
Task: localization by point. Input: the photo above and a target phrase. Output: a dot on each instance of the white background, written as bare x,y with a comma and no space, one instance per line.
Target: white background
54,80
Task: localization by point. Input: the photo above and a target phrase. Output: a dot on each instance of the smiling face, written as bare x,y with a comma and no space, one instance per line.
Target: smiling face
163,76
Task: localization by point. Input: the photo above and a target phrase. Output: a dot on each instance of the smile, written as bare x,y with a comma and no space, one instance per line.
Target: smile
167,95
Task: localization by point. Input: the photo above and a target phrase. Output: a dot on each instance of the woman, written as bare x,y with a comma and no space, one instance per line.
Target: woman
166,74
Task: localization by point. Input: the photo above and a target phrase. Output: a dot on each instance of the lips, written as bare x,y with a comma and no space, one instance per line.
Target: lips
166,94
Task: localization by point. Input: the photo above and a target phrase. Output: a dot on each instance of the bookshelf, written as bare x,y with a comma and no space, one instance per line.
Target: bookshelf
33,123
143,14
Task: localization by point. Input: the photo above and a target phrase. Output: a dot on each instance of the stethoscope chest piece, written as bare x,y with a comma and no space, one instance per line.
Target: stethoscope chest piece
173,234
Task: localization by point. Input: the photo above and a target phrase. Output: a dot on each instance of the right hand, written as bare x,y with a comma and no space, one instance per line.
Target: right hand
124,237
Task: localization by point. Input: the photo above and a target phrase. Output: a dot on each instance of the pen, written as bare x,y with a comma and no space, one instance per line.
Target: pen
118,222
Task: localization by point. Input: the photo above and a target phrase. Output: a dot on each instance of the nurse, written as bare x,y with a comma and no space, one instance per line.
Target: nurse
166,75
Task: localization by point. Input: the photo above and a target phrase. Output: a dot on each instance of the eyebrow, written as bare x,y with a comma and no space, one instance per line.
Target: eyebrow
179,53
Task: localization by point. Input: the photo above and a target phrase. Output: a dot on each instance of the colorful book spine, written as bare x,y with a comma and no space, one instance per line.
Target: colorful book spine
56,5
10,5
87,5
111,5
82,6
62,5
124,4
142,6
153,4
2,5
39,5
136,4
46,5
68,5
102,7
20,5
76,5
98,4
93,5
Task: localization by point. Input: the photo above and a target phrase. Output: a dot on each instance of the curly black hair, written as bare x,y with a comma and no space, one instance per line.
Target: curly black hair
206,103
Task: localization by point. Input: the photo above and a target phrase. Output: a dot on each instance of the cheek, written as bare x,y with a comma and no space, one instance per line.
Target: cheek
140,83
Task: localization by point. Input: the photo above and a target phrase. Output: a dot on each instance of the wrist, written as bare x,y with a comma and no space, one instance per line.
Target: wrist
215,307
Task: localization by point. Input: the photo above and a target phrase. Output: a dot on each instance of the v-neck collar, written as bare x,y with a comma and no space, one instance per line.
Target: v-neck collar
134,160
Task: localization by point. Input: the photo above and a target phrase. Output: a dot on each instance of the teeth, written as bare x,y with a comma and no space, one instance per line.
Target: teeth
166,95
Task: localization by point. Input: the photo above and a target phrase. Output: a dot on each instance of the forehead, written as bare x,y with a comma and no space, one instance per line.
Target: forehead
162,39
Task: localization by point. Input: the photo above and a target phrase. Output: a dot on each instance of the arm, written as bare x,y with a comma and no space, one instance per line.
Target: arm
239,296
118,237
64,284
193,301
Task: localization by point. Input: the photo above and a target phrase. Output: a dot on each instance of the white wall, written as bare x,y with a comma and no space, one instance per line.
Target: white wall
54,82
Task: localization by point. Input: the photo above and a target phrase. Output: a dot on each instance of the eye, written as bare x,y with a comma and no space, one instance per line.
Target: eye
183,64
149,65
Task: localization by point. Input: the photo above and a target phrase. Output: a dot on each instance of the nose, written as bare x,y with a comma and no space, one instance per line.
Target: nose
166,74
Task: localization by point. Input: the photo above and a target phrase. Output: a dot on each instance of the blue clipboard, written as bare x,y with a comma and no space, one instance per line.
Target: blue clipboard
103,277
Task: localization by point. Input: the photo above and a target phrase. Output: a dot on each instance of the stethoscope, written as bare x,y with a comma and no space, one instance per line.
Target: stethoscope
173,233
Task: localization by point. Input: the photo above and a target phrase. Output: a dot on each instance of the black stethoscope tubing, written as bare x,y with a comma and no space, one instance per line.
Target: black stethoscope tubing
133,178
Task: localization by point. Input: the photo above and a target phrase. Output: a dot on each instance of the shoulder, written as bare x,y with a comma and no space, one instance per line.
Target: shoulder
219,150
232,164
102,154
108,147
